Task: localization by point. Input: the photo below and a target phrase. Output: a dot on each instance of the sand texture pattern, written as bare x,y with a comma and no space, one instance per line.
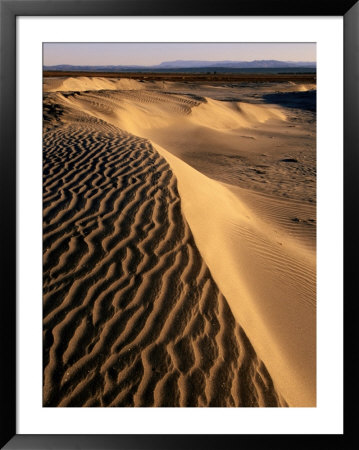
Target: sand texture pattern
132,316
179,228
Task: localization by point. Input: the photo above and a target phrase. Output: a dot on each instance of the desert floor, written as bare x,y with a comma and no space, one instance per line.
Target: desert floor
179,243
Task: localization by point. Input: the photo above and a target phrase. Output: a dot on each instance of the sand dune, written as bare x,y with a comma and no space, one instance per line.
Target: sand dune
228,140
132,316
179,247
80,84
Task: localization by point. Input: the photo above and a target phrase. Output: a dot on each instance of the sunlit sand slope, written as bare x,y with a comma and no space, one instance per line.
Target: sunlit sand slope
132,315
265,270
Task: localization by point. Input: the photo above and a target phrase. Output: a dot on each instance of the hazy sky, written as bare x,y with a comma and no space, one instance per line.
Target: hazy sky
155,53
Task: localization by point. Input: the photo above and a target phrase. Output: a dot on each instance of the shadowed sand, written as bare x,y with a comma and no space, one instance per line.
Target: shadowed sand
176,224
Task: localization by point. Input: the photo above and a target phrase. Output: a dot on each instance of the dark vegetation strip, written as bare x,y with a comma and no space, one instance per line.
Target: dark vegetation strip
212,77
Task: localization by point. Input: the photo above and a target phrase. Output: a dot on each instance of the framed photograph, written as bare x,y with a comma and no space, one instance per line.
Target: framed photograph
174,184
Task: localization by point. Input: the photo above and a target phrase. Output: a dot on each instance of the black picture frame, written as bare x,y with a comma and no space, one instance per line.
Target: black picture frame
9,10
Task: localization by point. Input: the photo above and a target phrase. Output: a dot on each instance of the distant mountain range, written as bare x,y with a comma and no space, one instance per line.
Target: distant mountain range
180,64
256,64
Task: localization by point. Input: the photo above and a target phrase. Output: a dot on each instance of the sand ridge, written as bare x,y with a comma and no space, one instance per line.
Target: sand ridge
132,316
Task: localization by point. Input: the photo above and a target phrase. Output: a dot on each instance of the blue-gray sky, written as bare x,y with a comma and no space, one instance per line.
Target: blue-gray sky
155,53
